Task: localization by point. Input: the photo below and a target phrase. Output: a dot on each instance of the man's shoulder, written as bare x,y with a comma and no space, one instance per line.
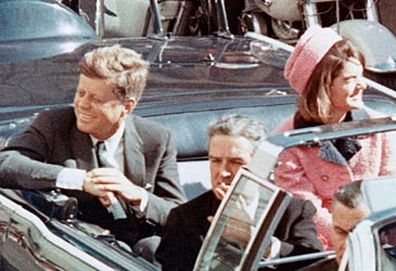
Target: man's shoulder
144,125
286,125
302,206
199,203
64,112
195,209
56,119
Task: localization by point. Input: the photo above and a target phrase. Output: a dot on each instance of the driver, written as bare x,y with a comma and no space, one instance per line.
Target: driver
348,208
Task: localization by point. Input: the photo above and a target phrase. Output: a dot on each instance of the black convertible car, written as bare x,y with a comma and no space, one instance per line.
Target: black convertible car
192,81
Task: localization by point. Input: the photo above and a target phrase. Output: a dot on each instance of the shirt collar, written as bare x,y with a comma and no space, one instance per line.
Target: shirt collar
112,142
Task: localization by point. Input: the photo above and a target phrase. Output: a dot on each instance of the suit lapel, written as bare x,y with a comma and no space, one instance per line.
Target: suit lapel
133,153
85,156
83,150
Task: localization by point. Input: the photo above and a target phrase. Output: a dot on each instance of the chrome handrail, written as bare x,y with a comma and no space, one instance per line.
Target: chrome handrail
99,18
298,258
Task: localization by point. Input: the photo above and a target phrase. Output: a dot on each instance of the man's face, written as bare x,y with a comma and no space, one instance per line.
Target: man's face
391,236
344,220
97,109
227,154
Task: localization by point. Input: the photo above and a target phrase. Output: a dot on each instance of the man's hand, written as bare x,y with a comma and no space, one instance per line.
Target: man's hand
239,226
91,186
108,200
221,190
236,232
101,181
267,251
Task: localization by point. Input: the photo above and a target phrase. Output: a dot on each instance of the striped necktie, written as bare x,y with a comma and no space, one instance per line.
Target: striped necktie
101,155
115,208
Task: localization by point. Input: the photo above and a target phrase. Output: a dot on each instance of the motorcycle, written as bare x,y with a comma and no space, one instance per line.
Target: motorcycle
286,20
356,20
124,18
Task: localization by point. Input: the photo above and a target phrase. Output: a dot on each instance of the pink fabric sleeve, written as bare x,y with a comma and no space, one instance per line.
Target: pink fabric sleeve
290,175
388,161
388,143
287,125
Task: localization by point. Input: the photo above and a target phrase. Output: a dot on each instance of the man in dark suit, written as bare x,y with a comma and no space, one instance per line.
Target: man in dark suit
232,142
137,182
349,207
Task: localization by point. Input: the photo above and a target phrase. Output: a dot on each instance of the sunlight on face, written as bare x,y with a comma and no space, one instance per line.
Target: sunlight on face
227,154
346,90
97,109
344,220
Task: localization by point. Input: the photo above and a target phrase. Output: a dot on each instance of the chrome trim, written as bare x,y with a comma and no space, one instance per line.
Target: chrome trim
298,258
276,43
16,210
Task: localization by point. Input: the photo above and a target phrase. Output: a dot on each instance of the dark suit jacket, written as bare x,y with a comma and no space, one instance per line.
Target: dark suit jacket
187,226
33,160
328,264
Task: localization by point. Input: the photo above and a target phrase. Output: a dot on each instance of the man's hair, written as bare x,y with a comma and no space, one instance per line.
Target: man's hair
315,104
350,195
121,66
238,125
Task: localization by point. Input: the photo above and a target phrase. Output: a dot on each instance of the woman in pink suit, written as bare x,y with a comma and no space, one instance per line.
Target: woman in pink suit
327,72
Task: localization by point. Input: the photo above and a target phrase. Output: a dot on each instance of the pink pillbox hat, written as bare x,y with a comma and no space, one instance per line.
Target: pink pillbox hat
309,51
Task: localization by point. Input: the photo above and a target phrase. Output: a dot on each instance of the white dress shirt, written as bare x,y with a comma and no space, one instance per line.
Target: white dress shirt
73,178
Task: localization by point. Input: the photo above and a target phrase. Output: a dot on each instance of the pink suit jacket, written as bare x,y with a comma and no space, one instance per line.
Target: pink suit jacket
315,173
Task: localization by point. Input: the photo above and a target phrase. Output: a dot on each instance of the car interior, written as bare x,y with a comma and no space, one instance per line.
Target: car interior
189,130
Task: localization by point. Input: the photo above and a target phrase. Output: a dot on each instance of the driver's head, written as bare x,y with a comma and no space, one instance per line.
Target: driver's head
348,208
232,142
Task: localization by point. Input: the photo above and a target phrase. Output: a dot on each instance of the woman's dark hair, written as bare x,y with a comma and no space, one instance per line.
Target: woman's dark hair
314,104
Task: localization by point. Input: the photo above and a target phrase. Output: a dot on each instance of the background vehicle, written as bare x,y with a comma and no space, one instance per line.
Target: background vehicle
123,18
357,21
286,20
32,29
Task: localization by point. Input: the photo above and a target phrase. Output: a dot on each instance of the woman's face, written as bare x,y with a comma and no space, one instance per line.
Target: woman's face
346,90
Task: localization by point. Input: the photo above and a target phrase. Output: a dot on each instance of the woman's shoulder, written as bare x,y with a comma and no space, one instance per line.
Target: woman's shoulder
286,125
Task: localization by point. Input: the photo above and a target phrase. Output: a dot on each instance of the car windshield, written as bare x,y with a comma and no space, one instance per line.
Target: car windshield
242,222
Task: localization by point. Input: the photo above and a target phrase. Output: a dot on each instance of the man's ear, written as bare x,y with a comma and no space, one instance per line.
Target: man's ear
129,104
